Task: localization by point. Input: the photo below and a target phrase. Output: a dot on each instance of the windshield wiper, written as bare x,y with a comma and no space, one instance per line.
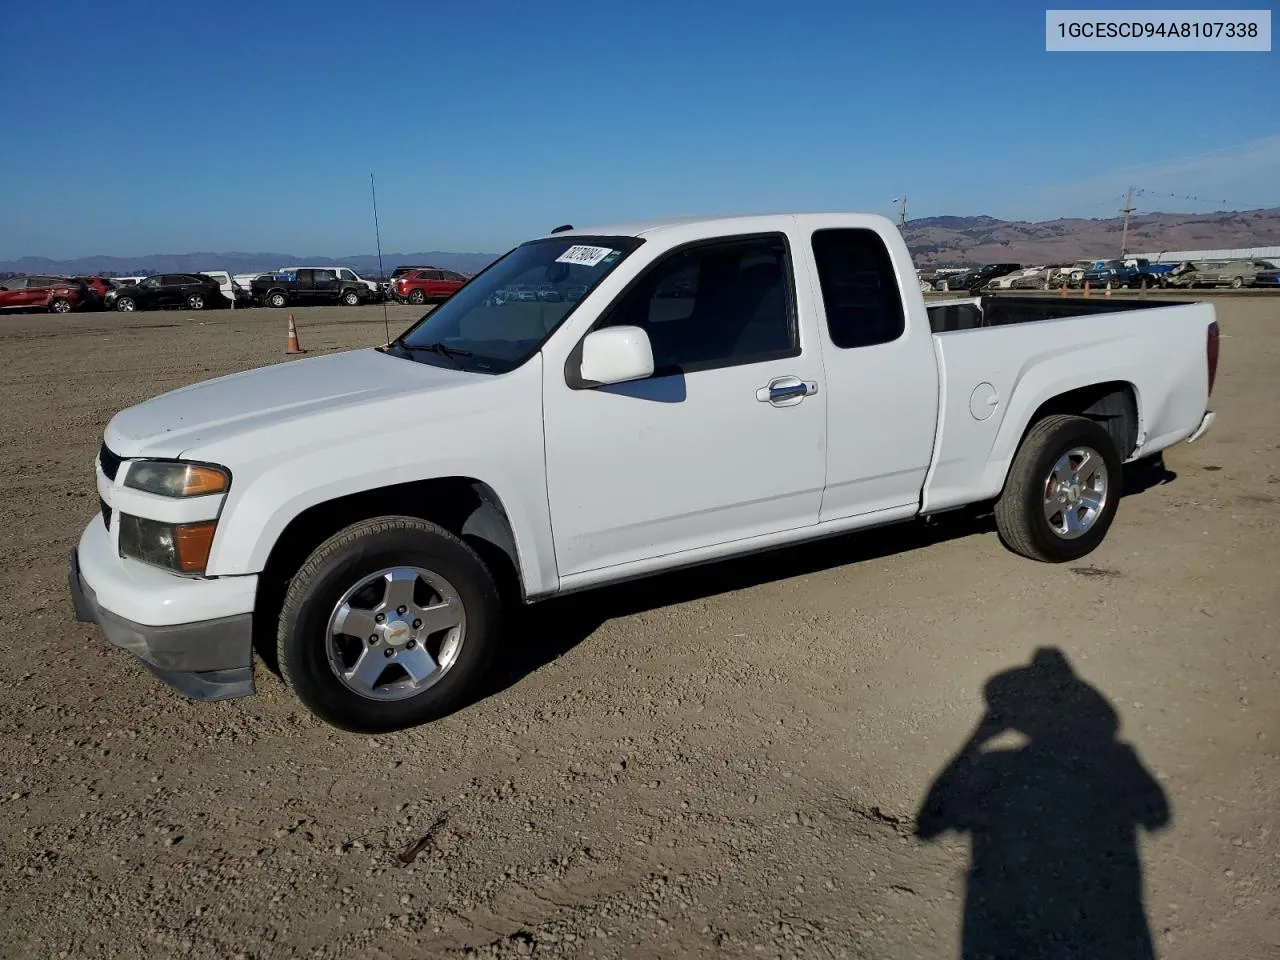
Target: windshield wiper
436,347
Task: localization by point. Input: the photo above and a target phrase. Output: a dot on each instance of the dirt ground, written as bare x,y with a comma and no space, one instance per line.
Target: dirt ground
729,762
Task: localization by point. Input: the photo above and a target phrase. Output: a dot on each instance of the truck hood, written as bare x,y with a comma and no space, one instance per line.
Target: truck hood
173,423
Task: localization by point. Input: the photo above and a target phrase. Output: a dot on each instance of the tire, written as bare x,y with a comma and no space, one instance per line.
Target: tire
362,552
60,305
1237,283
126,305
1022,512
417,298
195,302
351,298
276,299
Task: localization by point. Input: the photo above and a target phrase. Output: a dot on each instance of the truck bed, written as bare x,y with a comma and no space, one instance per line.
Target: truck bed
973,312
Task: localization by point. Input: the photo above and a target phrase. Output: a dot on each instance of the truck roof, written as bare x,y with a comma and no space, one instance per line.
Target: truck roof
640,228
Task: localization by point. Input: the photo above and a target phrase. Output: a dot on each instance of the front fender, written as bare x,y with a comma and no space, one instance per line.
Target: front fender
499,444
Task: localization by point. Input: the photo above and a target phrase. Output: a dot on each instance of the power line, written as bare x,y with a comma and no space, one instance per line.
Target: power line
1181,196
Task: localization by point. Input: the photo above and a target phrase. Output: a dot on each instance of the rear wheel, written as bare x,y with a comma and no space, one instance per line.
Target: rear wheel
276,299
417,297
1237,283
1062,490
390,623
59,305
195,302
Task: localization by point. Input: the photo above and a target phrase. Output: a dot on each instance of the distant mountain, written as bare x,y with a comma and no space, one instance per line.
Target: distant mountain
939,240
932,240
363,264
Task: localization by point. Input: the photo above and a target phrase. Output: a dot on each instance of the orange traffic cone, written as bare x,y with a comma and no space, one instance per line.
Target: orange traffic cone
1108,293
293,339
1086,288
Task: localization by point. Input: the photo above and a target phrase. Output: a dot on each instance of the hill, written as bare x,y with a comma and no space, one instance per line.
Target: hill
933,241
937,240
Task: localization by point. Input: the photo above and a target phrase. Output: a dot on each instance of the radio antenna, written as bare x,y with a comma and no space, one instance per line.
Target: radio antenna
377,234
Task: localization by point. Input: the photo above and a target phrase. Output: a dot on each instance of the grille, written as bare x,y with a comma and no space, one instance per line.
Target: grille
109,461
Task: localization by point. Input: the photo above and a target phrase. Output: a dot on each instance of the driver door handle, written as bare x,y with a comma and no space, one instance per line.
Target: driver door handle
786,391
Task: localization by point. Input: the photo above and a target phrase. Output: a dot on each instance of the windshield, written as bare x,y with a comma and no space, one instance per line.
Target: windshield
501,317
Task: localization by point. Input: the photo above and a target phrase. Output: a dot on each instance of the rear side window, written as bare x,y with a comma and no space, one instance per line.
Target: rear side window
859,289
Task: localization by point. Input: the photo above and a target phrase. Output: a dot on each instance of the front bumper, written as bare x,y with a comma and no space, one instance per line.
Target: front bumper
204,660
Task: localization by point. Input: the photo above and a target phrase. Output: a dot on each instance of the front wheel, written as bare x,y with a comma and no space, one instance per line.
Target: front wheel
126,305
1237,283
1062,490
390,623
351,298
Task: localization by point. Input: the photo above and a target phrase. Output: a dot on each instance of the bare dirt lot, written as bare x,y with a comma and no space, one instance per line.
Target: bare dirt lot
728,762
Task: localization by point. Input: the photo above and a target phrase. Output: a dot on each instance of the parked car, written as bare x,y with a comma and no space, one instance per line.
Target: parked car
190,290
378,510
309,285
426,285
1186,274
1009,280
55,294
345,274
1118,273
974,279
1230,273
1267,278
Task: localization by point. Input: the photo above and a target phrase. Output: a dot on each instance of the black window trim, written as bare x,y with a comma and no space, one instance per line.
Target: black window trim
573,363
893,272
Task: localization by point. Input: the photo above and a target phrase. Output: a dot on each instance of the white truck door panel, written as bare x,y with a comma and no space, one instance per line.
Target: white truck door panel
698,454
881,374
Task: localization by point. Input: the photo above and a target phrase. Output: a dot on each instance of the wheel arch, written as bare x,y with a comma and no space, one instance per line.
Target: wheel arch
1114,404
465,506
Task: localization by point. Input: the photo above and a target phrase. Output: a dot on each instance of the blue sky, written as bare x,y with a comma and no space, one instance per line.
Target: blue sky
255,126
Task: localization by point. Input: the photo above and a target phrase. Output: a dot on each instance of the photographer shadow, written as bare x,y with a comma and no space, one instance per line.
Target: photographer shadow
1055,870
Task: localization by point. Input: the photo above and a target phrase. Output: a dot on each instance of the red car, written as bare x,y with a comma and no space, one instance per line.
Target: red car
423,284
55,294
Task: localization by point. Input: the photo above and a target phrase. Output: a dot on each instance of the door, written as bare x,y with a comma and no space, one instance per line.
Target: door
13,293
725,441
148,292
324,285
882,378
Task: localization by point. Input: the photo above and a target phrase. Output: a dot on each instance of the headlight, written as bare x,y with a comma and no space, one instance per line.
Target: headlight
171,479
182,548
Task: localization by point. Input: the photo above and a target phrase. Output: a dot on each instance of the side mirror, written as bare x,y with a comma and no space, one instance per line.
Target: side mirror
616,355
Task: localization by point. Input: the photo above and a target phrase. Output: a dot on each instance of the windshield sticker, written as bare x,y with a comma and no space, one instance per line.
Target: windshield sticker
584,256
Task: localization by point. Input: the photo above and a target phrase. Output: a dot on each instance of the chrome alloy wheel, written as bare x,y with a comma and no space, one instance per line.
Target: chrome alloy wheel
395,633
1075,492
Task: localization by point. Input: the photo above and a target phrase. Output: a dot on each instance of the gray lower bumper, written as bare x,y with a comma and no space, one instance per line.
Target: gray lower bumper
209,660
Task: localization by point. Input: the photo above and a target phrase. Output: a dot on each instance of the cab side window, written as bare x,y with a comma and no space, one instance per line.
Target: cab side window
715,304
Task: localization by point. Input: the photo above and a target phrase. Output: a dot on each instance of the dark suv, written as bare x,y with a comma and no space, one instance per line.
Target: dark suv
194,291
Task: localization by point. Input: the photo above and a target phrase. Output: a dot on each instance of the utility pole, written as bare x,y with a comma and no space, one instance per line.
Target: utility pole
902,209
1127,211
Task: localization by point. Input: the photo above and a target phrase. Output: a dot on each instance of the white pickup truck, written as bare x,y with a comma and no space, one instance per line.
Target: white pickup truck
694,389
